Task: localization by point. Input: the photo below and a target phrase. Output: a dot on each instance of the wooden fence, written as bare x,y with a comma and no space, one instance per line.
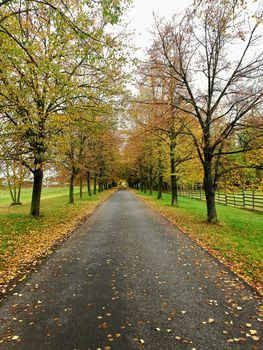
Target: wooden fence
249,200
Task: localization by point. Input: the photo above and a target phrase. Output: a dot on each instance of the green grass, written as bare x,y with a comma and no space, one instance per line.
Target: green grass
22,237
51,192
238,236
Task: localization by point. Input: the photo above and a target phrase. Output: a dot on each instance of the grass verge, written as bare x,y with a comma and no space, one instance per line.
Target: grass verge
24,240
237,240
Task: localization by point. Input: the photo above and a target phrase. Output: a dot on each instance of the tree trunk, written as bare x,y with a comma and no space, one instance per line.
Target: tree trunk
150,173
151,186
174,199
36,193
10,188
209,193
95,186
81,187
145,187
20,181
19,194
71,188
160,187
12,196
88,184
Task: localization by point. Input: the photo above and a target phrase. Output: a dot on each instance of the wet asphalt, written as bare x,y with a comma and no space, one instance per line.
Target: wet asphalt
128,279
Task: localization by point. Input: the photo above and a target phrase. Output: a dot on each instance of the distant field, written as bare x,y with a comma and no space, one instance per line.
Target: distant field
51,192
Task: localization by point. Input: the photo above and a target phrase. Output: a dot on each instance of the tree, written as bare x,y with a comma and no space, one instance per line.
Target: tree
47,63
160,115
219,84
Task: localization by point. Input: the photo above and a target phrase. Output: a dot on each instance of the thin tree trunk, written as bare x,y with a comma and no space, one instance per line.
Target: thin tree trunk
151,186
36,193
20,181
150,173
71,188
81,187
11,193
10,185
160,174
95,186
160,187
19,194
145,187
174,199
88,184
15,193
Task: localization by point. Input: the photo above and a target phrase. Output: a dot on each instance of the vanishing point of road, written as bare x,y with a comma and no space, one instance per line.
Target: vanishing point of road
128,279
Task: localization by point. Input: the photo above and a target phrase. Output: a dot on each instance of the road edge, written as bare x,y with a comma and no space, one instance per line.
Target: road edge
25,271
212,252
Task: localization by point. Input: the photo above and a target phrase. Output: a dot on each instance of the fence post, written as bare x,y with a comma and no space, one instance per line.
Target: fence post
244,198
225,197
253,200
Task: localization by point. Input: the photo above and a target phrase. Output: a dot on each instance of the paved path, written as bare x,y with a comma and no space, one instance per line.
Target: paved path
127,279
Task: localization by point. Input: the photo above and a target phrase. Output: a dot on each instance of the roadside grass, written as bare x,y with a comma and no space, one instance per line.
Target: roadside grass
24,239
237,239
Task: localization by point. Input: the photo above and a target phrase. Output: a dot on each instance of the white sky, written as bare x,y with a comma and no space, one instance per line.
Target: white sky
141,20
140,17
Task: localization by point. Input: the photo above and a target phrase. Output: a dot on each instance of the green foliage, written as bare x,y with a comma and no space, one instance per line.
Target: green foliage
113,10
57,58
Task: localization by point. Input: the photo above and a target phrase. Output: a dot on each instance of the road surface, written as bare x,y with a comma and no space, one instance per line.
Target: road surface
127,279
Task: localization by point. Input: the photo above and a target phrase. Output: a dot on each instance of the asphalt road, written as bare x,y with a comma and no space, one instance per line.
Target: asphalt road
127,279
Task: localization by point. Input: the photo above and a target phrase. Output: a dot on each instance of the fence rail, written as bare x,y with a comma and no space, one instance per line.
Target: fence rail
252,201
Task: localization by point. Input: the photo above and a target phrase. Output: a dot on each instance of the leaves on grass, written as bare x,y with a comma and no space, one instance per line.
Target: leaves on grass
30,239
212,239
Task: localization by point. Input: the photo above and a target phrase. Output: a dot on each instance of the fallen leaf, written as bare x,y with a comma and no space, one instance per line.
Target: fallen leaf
15,337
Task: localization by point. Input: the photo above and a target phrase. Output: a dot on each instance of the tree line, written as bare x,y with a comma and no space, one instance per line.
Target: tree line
198,111
61,91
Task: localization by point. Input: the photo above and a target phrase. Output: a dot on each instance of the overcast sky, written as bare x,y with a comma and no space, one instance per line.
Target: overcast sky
141,21
140,17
